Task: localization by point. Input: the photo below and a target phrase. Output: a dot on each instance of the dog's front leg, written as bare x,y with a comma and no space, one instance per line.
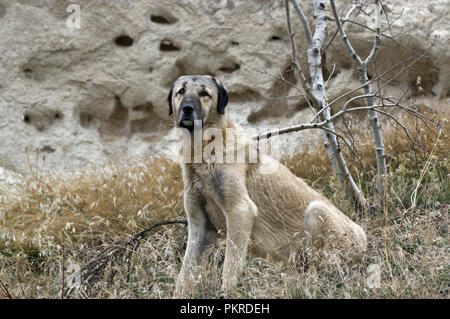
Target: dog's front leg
239,219
200,235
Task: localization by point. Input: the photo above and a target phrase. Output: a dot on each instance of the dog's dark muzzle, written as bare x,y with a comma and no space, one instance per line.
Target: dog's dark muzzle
188,114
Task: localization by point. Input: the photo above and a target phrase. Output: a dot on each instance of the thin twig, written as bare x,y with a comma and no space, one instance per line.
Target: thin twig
331,74
278,77
377,41
308,33
320,125
375,78
21,289
5,290
344,35
422,174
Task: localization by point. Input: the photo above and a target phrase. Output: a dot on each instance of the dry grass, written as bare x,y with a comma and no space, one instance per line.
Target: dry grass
71,220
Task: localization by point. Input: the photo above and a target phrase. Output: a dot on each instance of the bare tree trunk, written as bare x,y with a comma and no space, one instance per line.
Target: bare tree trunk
318,95
370,100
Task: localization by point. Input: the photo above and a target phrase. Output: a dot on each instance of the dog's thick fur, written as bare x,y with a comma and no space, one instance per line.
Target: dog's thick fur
274,214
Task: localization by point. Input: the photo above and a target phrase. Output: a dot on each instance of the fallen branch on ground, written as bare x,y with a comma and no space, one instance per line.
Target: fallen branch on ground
94,270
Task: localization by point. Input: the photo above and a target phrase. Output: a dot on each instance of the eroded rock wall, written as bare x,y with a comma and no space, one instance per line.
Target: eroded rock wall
97,93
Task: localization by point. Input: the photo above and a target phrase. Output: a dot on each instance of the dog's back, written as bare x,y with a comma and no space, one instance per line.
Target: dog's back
288,209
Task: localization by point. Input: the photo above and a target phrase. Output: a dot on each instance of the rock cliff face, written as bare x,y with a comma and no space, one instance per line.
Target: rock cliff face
98,92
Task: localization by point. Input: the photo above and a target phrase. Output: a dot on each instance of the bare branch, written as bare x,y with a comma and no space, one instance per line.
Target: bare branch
375,78
376,44
289,83
387,36
344,35
377,41
294,59
357,98
5,290
279,78
305,126
404,128
95,269
283,97
331,74
319,113
306,28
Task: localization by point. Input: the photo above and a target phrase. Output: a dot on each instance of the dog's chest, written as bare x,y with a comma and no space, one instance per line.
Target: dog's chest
209,185
210,180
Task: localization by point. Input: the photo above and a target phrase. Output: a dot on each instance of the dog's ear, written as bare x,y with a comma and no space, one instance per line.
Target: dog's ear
169,98
222,99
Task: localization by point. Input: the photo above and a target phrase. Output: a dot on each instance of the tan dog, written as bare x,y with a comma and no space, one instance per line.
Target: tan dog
275,214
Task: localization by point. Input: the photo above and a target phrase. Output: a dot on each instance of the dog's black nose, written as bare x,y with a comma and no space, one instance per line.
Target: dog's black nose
188,108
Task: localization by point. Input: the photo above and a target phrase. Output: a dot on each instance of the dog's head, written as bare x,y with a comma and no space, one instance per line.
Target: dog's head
196,97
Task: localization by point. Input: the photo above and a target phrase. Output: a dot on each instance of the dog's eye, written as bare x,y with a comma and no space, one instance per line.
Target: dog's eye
204,93
181,91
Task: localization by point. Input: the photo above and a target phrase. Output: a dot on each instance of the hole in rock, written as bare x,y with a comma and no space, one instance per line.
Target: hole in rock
116,123
161,19
230,69
166,45
124,41
48,149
